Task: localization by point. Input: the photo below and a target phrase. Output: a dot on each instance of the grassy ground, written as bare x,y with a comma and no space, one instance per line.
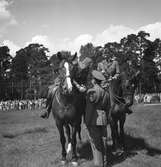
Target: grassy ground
26,140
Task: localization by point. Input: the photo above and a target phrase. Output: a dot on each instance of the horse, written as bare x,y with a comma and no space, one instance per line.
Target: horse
68,107
120,107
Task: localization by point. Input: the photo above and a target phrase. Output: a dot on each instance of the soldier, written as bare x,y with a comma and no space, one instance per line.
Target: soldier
96,118
111,70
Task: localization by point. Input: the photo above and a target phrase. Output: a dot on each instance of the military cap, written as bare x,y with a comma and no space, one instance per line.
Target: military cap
98,75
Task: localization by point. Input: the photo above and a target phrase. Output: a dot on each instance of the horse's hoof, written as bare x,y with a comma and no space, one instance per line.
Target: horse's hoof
118,152
63,162
69,148
74,163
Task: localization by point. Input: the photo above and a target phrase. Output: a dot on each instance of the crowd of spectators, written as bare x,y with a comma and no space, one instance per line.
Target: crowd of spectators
11,105
148,98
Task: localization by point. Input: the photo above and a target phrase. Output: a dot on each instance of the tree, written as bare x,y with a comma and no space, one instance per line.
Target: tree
87,51
5,65
133,47
157,59
149,70
20,66
31,68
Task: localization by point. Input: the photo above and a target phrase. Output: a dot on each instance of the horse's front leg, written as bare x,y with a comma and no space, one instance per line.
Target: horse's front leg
69,148
122,134
79,132
114,133
74,143
62,140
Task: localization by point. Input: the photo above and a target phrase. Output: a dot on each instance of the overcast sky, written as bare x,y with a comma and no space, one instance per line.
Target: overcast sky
66,24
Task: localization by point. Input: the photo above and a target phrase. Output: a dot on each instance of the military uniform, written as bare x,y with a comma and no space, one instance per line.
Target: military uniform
109,68
96,119
111,71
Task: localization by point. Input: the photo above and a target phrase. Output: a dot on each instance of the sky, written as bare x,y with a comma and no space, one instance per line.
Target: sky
68,24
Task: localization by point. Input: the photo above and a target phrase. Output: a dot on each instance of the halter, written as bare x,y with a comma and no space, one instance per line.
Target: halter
66,77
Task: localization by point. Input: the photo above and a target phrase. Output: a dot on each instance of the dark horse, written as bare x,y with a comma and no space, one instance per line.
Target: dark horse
121,103
68,106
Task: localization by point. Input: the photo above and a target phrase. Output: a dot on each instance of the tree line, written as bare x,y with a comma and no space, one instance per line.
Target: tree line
31,71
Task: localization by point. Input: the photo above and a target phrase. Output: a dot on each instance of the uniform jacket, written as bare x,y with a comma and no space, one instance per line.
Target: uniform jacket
97,106
109,68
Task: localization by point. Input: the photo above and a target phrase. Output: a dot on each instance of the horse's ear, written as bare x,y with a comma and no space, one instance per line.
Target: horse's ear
75,55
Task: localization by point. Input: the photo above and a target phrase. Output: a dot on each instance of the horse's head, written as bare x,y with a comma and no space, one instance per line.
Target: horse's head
131,82
65,76
130,86
80,71
67,85
75,73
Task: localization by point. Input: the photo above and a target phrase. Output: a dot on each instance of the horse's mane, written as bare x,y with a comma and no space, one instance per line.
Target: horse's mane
82,76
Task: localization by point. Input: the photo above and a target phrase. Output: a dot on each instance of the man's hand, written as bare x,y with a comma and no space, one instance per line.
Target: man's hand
110,78
116,76
82,89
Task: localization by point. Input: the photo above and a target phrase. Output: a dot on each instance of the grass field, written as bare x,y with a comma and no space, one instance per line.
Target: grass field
26,140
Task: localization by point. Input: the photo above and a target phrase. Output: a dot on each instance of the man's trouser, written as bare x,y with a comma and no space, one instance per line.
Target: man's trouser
98,140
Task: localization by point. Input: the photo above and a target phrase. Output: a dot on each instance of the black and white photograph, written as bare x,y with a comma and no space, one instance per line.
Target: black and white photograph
80,83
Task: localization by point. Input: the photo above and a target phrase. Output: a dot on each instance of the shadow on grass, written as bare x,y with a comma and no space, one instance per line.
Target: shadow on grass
12,135
84,150
136,144
133,145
